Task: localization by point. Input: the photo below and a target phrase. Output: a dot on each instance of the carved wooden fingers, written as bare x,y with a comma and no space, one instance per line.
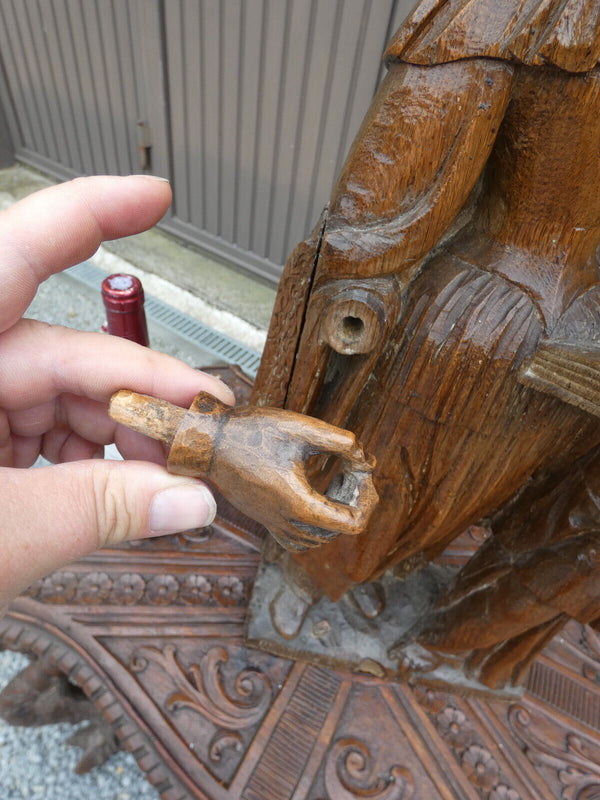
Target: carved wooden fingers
257,457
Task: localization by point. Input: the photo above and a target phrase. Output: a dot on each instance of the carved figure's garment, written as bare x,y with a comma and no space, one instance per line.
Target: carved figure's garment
442,396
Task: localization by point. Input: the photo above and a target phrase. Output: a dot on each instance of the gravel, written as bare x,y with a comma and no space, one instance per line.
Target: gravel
35,762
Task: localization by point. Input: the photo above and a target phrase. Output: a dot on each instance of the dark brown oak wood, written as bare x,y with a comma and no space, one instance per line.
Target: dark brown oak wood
458,257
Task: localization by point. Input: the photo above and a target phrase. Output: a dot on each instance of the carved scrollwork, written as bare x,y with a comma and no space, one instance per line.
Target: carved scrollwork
203,687
137,663
587,647
575,760
350,774
222,741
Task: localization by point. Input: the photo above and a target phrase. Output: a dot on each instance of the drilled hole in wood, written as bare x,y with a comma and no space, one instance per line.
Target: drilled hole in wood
352,328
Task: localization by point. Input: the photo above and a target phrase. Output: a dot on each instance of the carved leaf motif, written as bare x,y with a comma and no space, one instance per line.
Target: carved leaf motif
203,689
583,642
577,764
350,774
588,649
589,791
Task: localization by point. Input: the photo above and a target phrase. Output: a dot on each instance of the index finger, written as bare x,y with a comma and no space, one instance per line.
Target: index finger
58,227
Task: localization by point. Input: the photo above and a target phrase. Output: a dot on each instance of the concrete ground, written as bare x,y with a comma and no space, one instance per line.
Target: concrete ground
218,285
36,762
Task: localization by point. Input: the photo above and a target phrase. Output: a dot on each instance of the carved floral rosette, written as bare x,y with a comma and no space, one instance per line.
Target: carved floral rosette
456,728
159,649
134,588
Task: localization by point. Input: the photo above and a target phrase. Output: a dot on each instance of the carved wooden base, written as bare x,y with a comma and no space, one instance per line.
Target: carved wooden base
153,635
369,630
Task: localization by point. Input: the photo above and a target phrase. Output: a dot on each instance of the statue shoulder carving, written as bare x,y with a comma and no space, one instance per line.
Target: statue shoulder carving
535,33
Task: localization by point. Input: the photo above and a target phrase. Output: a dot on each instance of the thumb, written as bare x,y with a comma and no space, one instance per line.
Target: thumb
58,514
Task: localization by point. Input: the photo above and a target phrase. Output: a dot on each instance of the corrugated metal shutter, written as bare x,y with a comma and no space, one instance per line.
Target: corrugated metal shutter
250,105
71,67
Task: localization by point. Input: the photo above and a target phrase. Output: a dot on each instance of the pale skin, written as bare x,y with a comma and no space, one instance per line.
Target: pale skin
55,385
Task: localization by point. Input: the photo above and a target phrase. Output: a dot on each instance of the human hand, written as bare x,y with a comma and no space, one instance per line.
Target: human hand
55,384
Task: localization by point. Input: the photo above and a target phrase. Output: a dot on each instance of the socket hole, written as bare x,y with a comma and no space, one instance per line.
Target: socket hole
352,328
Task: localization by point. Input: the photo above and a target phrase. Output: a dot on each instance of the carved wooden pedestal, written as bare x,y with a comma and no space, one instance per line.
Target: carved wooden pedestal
153,634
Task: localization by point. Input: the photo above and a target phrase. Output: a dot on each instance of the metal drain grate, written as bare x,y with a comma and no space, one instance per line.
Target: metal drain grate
186,327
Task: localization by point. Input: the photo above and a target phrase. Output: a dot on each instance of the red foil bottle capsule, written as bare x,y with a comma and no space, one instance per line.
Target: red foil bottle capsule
123,297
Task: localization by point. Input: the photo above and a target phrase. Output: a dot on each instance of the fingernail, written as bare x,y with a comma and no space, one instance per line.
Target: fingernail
225,389
228,391
151,177
181,508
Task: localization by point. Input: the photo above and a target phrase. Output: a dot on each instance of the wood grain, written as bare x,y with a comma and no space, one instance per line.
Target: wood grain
452,321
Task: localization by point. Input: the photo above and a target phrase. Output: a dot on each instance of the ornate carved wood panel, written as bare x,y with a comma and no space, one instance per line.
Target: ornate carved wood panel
153,634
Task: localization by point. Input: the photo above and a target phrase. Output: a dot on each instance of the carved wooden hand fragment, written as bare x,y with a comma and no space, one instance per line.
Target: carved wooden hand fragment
257,458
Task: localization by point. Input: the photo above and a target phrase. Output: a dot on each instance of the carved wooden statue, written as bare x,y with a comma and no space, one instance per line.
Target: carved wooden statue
462,235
